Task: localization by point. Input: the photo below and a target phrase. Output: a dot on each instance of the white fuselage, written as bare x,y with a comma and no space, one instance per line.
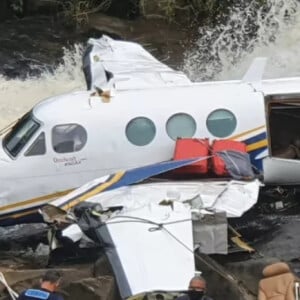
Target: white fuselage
107,148
71,139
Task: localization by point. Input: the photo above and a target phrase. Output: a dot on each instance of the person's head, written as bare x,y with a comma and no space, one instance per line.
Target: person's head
197,283
197,288
50,280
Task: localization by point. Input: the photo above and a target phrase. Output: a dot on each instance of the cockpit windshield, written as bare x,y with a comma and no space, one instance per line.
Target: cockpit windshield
21,133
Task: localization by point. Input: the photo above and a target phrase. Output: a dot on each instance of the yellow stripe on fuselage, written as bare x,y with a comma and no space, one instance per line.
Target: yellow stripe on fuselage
34,200
40,200
94,191
246,132
257,145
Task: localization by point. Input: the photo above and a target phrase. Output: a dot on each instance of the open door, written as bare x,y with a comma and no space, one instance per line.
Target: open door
283,122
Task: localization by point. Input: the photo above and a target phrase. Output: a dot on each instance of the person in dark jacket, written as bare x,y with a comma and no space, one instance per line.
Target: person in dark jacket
197,290
48,287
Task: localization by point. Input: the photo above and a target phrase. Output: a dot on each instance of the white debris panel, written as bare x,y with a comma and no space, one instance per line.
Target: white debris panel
232,197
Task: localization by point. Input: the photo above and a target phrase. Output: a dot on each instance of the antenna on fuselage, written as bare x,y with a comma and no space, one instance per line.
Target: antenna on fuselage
255,72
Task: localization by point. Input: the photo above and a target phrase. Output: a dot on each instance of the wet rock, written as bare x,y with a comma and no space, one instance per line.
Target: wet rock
250,272
77,283
25,257
18,259
22,279
100,288
279,244
226,283
102,267
72,254
37,258
41,255
32,45
22,236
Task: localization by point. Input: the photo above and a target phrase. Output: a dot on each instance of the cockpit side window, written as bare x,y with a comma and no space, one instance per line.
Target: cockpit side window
68,138
38,147
21,133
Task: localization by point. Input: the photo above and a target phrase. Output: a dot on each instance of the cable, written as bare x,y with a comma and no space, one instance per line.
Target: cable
11,292
142,220
161,226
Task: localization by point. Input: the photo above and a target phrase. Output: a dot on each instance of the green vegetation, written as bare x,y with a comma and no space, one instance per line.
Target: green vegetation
76,12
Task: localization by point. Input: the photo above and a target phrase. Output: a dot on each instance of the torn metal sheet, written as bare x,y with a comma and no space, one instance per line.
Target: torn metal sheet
210,233
130,65
234,197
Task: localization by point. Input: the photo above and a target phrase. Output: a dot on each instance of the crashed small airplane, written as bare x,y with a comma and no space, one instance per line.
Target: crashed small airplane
134,110
150,228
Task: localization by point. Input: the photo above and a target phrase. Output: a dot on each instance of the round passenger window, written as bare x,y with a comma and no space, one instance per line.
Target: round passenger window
140,131
221,123
181,125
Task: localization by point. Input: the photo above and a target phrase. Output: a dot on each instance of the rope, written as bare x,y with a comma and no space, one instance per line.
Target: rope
161,226
217,270
221,273
11,292
233,162
215,153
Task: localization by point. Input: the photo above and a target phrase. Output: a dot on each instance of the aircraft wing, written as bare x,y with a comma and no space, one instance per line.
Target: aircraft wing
119,179
234,197
128,64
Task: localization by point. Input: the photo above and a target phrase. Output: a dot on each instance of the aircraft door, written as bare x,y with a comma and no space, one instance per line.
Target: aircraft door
283,164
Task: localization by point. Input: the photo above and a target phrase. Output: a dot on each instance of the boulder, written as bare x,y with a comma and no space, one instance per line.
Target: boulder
222,282
23,279
249,272
99,288
102,267
22,236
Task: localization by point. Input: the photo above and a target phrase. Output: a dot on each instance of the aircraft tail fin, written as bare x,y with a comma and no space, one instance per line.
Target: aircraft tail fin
255,72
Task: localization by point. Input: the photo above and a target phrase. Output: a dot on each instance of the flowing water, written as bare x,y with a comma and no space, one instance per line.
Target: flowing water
226,50
18,96
222,52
